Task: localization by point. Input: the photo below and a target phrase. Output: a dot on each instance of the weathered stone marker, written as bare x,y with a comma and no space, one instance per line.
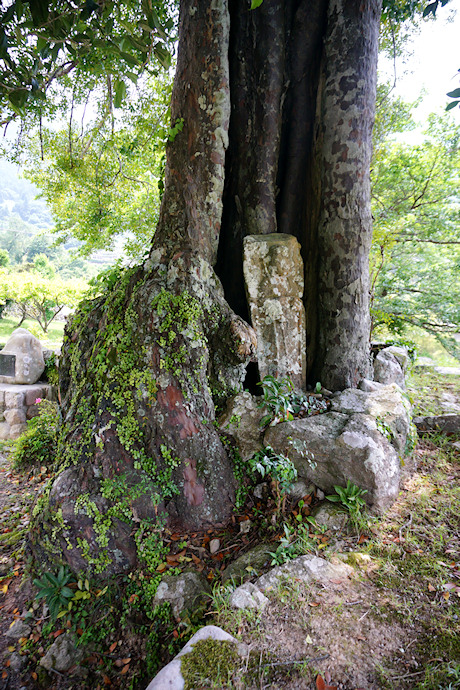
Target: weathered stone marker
274,278
28,354
7,365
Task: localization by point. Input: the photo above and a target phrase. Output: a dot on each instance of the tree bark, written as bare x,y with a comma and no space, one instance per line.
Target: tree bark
143,366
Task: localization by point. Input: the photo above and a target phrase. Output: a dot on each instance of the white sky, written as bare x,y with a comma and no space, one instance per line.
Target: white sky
432,64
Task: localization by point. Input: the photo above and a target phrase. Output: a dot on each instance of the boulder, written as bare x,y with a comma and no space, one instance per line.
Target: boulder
248,596
27,349
274,278
185,591
253,560
330,516
62,655
170,677
18,629
306,569
445,423
361,439
390,365
241,422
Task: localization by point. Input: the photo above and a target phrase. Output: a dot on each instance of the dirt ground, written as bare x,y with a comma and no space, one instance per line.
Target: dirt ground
395,624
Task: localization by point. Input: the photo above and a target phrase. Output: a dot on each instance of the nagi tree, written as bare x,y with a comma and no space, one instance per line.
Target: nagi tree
273,111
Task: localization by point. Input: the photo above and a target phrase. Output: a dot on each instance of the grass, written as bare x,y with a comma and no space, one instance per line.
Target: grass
51,340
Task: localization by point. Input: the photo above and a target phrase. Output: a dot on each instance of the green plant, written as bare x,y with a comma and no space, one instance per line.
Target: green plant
351,497
38,444
284,402
281,470
53,588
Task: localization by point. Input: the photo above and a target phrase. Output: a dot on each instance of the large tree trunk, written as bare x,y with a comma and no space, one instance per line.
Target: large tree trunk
292,83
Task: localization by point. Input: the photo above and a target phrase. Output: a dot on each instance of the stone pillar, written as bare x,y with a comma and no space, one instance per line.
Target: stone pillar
273,274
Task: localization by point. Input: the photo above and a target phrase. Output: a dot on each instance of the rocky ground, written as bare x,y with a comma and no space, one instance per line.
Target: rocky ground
392,621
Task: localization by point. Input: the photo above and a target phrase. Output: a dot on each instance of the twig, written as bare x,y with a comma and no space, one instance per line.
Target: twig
408,675
364,614
302,661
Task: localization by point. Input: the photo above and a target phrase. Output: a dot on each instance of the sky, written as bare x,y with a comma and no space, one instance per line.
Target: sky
432,63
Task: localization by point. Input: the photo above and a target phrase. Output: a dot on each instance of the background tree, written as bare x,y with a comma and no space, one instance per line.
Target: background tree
415,257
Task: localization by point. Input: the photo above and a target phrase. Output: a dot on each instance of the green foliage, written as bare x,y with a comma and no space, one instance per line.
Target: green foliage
281,470
38,444
41,42
415,257
283,401
351,498
54,589
4,258
210,663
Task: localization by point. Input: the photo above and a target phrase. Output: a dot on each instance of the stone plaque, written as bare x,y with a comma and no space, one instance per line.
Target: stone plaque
7,365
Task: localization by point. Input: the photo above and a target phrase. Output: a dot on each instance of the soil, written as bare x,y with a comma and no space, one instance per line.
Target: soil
394,625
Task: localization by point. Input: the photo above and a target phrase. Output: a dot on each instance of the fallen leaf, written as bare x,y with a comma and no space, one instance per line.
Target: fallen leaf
320,684
431,588
114,644
4,675
161,568
34,675
58,632
314,603
175,634
124,670
308,640
107,680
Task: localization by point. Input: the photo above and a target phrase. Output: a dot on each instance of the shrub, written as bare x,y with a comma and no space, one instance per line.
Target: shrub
38,444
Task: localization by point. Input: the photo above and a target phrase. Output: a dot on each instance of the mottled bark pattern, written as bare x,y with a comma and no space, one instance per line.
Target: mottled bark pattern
192,203
345,230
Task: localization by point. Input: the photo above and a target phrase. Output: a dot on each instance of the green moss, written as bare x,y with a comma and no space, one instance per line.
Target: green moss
211,663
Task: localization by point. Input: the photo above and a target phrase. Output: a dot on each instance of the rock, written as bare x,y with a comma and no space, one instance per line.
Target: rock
29,365
245,526
241,421
17,662
330,516
248,596
390,365
369,386
274,278
300,489
18,629
62,655
306,569
185,591
355,558
388,405
445,423
170,677
360,439
245,565
5,565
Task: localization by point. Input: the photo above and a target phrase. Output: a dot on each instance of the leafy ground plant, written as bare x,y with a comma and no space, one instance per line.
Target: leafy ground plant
284,402
351,498
279,468
38,444
54,590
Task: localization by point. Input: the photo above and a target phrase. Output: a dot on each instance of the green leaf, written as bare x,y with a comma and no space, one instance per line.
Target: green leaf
163,55
454,94
18,99
452,105
255,4
120,93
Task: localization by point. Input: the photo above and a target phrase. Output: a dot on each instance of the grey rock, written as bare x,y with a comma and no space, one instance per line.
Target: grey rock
330,516
244,566
170,677
390,365
248,596
300,489
274,278
445,423
306,569
369,386
241,421
18,629
17,662
188,590
5,565
361,439
28,351
62,655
